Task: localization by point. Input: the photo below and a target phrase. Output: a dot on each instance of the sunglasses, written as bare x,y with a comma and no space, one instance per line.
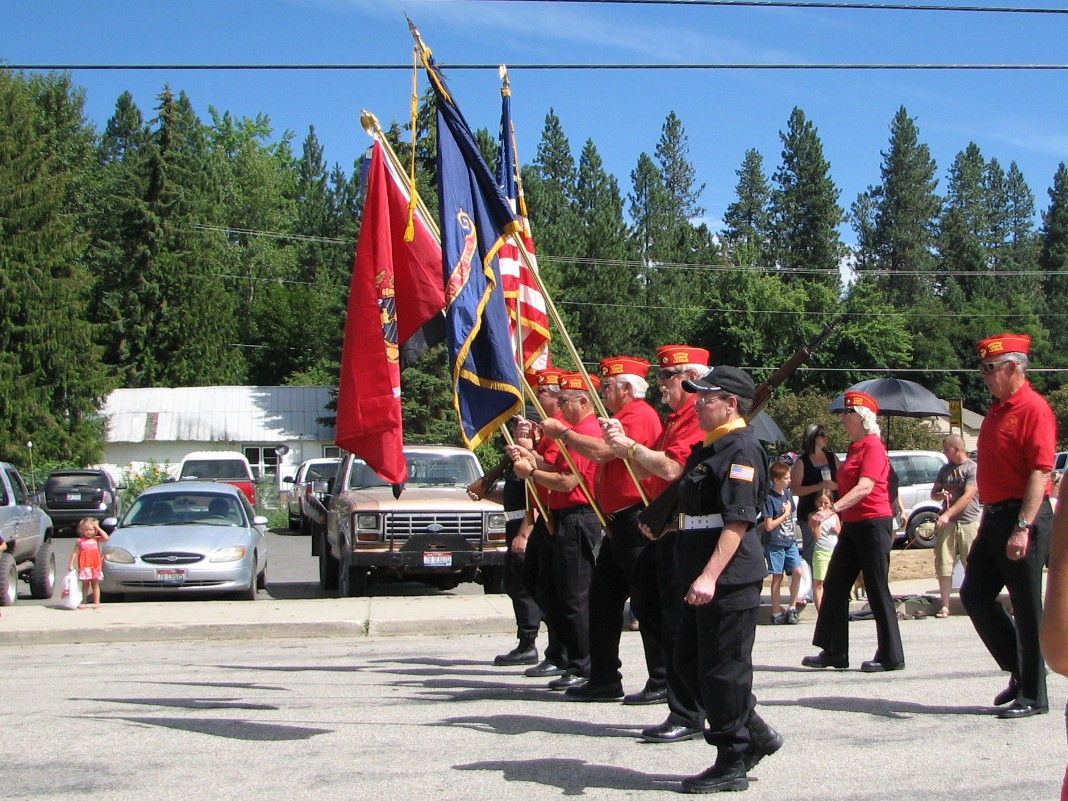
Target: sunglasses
989,367
666,375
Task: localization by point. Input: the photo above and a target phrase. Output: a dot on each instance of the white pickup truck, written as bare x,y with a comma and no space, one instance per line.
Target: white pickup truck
27,532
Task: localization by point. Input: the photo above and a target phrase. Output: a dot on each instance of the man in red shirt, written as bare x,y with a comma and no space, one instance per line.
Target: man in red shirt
656,578
1017,444
623,386
577,529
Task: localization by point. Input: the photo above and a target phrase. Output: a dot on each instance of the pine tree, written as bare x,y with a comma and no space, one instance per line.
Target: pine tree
1053,260
748,219
964,230
549,187
805,210
51,380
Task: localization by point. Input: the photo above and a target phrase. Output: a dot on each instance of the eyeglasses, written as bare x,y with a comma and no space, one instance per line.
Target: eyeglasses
708,398
667,375
563,401
821,433
989,367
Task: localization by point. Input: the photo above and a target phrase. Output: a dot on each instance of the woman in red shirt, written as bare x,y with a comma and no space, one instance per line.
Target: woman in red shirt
863,546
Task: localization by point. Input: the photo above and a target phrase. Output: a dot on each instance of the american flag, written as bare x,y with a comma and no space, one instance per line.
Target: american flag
526,307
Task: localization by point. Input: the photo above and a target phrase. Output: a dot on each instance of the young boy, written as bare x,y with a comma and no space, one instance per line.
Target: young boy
781,548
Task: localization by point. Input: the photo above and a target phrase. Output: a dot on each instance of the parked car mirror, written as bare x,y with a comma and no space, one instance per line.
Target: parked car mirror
289,480
109,524
320,486
259,521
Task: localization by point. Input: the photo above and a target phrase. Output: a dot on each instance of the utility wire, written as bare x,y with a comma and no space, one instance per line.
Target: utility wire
801,4
533,67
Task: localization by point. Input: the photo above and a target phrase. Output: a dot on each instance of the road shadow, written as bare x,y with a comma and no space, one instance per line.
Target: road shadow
575,777
295,590
200,704
511,725
230,729
882,707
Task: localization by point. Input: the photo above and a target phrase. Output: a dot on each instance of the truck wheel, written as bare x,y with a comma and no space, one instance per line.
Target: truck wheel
9,580
493,580
294,523
915,537
352,581
305,526
43,575
261,580
328,568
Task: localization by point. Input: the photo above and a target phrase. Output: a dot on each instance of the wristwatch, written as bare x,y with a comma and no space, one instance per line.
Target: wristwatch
1021,523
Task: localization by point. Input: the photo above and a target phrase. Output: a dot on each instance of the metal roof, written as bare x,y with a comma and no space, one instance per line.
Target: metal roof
218,414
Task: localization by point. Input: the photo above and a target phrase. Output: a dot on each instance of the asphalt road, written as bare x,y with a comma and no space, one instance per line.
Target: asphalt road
429,717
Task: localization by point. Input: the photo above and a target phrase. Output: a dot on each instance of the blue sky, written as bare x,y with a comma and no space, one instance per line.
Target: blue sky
1016,116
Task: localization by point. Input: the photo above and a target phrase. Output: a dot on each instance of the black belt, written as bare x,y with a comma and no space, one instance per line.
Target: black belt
624,512
560,514
1004,506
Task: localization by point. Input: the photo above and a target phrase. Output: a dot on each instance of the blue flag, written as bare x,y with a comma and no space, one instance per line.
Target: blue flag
476,219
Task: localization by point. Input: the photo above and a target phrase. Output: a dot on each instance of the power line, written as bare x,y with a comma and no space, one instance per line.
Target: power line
533,67
800,4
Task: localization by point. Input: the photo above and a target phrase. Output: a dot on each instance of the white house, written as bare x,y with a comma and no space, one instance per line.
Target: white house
275,427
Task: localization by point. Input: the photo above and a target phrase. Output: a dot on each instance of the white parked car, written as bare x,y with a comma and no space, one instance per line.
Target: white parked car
916,474
300,486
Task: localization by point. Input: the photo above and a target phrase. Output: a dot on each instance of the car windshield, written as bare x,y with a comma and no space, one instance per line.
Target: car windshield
65,482
208,469
424,470
184,508
320,472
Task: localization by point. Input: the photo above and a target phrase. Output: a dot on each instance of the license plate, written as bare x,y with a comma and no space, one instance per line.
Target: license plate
74,496
437,559
171,575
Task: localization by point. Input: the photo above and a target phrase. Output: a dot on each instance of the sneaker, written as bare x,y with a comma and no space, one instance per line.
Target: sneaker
791,617
779,619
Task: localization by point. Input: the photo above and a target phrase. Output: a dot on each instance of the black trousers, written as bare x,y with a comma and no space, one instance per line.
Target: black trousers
577,534
657,592
526,609
1012,641
613,581
863,548
538,582
714,656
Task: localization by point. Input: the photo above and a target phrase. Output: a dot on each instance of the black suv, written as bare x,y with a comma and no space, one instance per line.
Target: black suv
70,495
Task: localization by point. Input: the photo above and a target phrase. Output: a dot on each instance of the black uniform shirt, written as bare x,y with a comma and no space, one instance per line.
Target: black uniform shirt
729,478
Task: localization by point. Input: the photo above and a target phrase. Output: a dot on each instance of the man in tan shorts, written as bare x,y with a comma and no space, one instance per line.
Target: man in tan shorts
958,523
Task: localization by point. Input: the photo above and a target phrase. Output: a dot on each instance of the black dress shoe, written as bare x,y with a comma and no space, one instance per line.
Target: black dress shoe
762,745
543,669
718,779
825,660
1006,695
671,733
566,681
646,697
874,666
1022,711
520,655
595,692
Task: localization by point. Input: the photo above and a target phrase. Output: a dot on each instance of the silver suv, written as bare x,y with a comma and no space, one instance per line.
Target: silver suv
916,474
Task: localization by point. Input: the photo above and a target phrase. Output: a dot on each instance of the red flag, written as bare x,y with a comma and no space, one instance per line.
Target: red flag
381,318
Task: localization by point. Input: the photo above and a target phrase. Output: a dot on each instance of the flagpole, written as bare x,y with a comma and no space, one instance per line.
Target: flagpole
371,125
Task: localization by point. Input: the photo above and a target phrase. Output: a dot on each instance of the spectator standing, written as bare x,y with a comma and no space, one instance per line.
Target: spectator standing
825,538
958,522
815,470
780,547
1017,445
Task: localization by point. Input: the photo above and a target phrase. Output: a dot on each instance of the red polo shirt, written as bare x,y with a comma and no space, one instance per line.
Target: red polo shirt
681,433
587,468
866,459
615,487
549,450
1019,436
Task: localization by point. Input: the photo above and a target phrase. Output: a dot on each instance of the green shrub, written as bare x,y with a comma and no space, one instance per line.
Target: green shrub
137,481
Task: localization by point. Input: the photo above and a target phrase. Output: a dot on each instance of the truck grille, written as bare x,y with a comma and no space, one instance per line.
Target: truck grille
403,526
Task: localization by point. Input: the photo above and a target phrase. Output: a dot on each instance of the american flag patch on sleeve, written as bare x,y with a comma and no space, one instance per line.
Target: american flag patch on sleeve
742,472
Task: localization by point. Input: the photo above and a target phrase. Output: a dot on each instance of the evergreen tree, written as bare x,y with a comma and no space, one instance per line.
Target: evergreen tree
805,210
1053,260
964,229
51,381
748,219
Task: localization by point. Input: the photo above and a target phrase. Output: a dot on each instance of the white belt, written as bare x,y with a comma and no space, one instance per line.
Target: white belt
518,514
692,522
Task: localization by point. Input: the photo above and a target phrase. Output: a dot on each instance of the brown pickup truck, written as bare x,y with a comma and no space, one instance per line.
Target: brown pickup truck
433,533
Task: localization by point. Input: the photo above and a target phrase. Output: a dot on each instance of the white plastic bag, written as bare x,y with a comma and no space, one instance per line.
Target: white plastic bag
805,591
72,591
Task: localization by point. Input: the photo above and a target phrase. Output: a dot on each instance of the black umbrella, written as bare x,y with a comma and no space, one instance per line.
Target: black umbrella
898,398
766,429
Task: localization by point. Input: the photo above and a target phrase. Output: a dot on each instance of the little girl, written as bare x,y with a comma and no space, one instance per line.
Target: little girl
825,538
87,555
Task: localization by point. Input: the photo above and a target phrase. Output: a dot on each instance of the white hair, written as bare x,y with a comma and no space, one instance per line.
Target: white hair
871,422
638,385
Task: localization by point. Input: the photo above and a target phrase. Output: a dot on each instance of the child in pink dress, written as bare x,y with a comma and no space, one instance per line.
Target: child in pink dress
90,562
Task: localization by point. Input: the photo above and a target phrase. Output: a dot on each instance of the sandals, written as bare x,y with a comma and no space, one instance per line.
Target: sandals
943,612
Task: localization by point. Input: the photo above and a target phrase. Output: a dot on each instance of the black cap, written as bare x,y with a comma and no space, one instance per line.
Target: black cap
722,378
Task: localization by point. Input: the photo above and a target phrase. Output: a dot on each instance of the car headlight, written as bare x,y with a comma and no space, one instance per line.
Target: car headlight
230,554
118,556
367,521
495,522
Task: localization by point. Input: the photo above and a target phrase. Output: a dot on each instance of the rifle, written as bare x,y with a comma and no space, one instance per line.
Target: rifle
664,507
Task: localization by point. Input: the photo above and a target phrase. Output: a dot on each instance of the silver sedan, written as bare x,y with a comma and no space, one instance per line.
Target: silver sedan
187,538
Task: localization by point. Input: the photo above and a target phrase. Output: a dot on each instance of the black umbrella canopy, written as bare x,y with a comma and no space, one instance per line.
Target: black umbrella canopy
897,397
766,429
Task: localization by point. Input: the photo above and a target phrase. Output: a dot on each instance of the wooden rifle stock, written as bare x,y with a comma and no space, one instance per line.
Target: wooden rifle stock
664,507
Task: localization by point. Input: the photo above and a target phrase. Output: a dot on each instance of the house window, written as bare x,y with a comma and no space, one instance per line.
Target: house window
264,461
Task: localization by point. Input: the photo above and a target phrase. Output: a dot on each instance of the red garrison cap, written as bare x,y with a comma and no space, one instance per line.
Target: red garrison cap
624,365
574,381
854,398
674,355
1004,343
549,377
